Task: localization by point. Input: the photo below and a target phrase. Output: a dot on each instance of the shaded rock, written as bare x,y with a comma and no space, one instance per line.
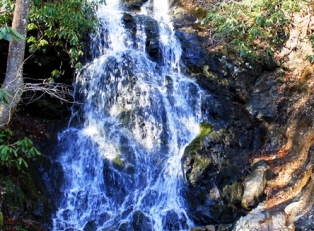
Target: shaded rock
263,99
90,226
136,4
151,30
210,228
255,184
141,222
174,222
233,193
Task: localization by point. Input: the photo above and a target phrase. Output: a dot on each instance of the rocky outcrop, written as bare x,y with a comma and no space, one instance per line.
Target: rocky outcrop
275,102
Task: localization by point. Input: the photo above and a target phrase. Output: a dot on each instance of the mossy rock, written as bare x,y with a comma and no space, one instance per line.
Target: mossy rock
118,163
233,193
196,144
193,162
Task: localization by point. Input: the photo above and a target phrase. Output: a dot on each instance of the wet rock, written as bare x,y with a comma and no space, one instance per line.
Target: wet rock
194,164
255,184
214,194
210,228
223,227
90,226
213,170
141,222
152,39
135,4
151,30
174,222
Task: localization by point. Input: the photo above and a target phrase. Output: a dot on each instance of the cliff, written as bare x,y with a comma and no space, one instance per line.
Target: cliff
263,118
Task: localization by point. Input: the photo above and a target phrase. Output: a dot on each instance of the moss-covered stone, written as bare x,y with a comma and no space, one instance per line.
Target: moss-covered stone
195,145
233,193
118,162
197,163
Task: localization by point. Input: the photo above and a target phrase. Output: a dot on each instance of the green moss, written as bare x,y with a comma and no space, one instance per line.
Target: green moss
191,153
1,219
118,162
205,129
195,145
125,117
198,12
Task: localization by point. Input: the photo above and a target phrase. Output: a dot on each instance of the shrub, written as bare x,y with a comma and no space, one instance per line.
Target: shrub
253,29
15,154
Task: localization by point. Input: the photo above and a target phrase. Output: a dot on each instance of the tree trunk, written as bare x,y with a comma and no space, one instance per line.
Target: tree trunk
13,81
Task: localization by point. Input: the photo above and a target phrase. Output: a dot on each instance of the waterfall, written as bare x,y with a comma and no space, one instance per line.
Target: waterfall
121,155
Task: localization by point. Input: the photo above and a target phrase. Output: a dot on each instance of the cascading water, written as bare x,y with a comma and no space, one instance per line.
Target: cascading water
122,153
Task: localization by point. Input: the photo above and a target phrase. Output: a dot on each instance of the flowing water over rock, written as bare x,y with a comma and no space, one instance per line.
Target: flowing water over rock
122,152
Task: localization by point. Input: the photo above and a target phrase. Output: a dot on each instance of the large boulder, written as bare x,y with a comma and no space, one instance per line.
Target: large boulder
255,184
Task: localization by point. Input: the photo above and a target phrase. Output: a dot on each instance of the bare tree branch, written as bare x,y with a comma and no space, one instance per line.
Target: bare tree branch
56,90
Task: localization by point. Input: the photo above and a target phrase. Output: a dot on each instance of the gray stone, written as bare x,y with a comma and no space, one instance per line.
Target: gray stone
254,185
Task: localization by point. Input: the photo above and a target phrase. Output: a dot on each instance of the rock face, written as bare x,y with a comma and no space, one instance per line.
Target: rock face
151,31
261,112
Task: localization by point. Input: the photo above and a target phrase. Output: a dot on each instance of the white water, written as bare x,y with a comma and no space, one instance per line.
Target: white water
122,161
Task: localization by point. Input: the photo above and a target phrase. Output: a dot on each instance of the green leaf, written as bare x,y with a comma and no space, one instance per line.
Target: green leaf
43,43
32,26
2,35
31,39
16,35
55,73
8,37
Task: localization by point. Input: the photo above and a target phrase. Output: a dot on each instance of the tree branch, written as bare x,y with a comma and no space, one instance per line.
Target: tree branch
56,90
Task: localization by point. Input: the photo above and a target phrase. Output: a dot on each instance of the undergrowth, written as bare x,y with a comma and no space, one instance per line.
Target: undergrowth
252,29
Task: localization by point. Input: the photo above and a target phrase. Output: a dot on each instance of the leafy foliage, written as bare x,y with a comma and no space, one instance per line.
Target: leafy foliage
8,33
61,25
57,25
15,154
251,28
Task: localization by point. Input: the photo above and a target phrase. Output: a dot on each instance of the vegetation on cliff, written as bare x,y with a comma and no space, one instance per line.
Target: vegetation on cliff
253,30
